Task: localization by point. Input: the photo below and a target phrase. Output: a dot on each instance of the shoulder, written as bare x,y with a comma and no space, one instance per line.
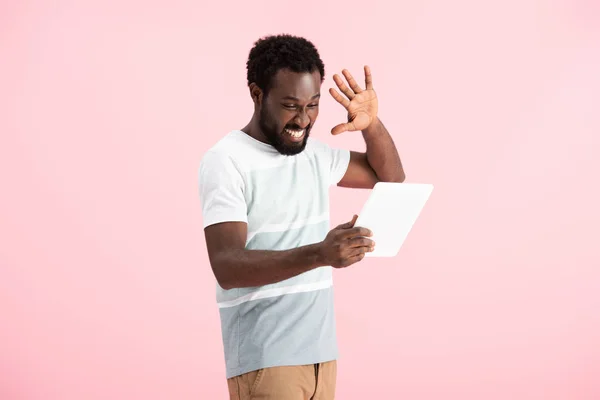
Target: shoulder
218,163
322,149
313,144
216,159
224,152
317,148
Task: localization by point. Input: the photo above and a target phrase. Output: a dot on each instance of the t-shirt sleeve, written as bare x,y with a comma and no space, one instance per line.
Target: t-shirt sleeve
221,190
339,161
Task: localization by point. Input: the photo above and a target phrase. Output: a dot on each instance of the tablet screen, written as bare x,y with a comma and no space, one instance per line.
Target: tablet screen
390,213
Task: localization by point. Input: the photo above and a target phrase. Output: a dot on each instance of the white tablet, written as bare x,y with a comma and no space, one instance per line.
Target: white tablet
390,212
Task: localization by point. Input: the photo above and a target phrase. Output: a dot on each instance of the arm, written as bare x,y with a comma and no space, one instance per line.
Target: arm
236,267
225,212
382,153
381,161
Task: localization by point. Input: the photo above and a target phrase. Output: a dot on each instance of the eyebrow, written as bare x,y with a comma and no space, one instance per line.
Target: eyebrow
316,96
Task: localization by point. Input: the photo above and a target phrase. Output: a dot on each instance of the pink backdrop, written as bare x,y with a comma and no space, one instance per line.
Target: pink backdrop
107,107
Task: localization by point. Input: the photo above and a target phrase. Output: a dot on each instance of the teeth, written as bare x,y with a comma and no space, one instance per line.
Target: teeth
295,134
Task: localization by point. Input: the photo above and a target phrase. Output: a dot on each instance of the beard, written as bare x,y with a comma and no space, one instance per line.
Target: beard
276,138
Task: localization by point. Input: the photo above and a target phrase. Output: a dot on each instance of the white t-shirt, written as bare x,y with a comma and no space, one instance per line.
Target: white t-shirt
285,202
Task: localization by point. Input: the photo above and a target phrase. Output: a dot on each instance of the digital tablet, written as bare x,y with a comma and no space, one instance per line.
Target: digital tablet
390,213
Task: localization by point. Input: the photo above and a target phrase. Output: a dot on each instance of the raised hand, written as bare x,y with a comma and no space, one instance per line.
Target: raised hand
360,104
346,245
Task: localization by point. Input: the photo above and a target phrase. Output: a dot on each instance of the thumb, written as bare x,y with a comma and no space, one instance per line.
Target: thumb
350,224
340,128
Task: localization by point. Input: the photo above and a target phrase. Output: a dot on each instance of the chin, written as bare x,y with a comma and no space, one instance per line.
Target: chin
291,150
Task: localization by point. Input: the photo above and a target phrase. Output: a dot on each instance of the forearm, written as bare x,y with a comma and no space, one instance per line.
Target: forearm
382,154
249,268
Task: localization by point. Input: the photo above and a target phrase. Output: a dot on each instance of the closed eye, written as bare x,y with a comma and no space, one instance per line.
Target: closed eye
293,106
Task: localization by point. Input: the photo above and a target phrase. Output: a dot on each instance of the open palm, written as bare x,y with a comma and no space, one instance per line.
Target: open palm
360,104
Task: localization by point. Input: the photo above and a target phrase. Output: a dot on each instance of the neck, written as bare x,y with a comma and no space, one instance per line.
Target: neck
253,129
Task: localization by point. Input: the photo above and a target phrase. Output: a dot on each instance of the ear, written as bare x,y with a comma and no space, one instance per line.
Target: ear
256,93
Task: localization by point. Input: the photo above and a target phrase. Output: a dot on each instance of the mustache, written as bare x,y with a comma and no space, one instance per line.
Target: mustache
297,128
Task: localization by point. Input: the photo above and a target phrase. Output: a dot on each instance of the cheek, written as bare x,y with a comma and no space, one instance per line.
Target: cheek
286,118
277,119
313,114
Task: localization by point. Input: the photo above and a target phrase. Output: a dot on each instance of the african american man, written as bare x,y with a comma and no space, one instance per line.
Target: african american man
264,191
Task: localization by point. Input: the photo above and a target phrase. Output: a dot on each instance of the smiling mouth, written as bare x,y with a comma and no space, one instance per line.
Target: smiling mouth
295,135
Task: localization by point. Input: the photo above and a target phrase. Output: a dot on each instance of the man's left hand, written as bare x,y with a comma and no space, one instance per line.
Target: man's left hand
360,104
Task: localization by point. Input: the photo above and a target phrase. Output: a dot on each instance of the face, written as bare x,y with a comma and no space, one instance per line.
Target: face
290,109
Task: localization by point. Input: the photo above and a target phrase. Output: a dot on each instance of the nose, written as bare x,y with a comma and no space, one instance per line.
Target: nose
302,119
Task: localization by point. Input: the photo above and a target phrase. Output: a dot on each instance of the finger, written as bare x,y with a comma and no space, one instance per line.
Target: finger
345,89
360,242
339,98
351,81
368,78
358,251
355,251
348,225
354,259
341,128
357,231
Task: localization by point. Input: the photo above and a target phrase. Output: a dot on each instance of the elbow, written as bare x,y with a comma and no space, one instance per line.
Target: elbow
224,282
225,285
220,273
399,178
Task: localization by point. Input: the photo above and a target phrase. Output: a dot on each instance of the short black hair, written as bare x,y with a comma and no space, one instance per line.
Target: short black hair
275,52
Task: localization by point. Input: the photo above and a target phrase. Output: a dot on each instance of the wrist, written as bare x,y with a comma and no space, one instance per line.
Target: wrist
318,255
374,127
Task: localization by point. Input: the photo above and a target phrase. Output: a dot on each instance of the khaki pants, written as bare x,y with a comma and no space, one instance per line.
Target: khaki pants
302,382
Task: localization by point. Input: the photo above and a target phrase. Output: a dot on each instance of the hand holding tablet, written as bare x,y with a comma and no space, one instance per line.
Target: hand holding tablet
390,213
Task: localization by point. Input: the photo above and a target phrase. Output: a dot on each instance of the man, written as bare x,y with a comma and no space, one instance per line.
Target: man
265,200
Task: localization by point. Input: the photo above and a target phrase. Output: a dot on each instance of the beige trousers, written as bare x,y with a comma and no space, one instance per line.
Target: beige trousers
301,382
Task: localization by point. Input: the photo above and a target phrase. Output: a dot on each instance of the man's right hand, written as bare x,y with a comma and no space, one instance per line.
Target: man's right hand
346,245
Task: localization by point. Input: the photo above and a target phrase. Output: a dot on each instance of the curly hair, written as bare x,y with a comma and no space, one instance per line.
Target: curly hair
275,52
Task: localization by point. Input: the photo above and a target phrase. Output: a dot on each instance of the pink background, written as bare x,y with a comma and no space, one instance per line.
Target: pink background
107,107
